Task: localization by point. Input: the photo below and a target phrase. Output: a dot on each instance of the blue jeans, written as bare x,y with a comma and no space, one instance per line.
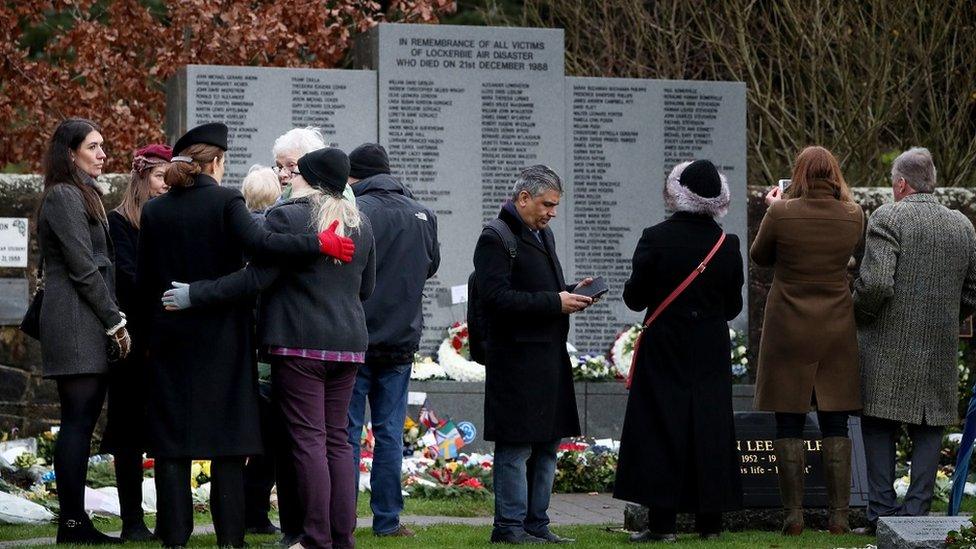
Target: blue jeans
522,477
386,388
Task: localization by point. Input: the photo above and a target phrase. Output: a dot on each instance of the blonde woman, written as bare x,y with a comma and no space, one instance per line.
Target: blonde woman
260,189
312,325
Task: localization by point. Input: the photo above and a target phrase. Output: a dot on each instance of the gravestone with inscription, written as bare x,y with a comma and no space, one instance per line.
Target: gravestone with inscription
259,104
462,109
623,138
917,532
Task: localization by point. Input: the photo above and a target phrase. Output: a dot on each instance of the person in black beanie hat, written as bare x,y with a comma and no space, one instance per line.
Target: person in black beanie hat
407,254
367,160
683,364
327,169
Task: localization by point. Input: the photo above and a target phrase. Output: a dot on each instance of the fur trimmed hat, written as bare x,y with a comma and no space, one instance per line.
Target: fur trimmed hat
697,187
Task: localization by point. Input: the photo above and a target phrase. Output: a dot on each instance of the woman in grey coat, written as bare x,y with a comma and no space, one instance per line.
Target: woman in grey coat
79,313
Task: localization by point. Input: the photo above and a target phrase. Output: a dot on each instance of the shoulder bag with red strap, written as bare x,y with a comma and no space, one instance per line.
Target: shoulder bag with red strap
664,304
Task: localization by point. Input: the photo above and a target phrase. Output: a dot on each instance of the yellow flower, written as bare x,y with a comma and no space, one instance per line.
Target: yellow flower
452,466
195,470
205,465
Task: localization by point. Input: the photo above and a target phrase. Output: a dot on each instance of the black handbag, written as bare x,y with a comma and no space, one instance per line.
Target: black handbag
31,324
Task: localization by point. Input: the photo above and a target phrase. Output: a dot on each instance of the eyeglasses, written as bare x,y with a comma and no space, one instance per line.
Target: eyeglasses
291,168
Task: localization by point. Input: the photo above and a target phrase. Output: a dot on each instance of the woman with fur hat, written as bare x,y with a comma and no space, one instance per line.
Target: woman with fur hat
126,424
808,355
679,412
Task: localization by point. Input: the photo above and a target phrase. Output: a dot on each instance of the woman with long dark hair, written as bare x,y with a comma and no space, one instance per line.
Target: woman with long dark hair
79,313
808,355
125,431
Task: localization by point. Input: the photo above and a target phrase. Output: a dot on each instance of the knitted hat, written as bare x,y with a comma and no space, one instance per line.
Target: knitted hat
368,160
327,168
702,178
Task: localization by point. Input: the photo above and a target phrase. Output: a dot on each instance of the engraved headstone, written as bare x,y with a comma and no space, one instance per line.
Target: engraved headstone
461,110
258,104
623,138
917,532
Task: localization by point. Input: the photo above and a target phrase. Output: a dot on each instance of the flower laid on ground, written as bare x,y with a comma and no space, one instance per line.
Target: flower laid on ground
199,472
585,468
450,479
592,368
622,351
425,369
740,360
454,357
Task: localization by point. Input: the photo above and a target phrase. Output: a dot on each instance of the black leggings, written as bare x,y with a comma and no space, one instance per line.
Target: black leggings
832,424
81,399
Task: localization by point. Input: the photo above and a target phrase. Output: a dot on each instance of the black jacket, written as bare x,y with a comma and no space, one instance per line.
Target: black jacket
305,304
407,254
201,367
679,411
529,393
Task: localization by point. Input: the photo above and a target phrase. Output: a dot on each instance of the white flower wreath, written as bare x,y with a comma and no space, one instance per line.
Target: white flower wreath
456,366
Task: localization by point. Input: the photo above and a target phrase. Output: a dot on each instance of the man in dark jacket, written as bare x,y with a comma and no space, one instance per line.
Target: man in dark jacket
407,255
530,403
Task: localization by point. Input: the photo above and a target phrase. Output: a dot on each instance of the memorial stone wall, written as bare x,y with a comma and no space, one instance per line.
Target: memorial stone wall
461,110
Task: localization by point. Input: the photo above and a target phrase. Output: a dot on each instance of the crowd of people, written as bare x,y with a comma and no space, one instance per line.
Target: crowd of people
262,322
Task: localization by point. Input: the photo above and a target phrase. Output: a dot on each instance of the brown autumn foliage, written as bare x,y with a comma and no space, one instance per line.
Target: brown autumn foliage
112,61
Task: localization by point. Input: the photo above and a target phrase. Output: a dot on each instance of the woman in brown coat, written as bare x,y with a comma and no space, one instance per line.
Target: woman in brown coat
808,355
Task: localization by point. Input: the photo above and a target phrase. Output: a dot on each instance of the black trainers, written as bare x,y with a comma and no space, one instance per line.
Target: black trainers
550,537
516,538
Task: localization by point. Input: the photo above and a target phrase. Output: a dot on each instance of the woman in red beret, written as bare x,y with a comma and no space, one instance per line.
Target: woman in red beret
124,436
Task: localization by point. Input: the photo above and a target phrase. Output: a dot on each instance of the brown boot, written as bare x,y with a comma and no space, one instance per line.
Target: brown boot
791,462
837,474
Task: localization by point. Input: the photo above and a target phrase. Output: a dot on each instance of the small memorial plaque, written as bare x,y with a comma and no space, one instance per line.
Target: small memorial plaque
13,241
917,532
756,431
14,299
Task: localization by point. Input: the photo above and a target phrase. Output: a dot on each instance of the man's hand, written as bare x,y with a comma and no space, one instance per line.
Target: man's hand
573,303
586,282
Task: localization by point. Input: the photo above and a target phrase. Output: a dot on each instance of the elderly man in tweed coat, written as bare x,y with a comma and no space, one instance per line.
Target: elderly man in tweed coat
917,280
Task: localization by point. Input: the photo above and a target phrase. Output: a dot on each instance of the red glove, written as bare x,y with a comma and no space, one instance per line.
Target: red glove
339,247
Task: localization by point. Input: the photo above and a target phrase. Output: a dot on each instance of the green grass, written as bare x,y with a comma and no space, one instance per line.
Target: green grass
586,536
113,524
447,507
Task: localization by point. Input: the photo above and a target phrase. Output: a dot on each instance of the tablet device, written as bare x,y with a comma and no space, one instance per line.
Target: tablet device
596,289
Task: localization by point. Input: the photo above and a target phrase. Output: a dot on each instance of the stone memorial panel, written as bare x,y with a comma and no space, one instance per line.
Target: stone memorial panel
14,300
757,430
461,110
258,104
13,241
917,532
623,136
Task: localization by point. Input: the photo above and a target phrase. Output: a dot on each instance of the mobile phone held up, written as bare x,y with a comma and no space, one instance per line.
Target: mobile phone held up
596,288
784,184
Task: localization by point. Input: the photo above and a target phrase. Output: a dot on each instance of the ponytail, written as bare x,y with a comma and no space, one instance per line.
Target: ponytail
327,208
180,173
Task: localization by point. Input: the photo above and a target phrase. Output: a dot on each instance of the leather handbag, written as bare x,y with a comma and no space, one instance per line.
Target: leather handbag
31,323
667,301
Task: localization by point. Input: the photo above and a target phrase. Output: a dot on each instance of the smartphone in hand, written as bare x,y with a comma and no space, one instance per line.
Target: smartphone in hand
784,184
595,289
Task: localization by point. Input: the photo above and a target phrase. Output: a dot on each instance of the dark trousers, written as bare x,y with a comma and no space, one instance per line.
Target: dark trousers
81,399
273,467
880,436
128,476
832,424
174,519
522,476
314,397
663,520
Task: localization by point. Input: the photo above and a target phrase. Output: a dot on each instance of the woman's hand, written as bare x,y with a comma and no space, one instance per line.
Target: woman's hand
177,298
339,247
775,194
124,342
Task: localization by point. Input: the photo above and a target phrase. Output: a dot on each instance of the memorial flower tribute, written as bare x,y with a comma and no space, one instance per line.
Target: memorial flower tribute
455,358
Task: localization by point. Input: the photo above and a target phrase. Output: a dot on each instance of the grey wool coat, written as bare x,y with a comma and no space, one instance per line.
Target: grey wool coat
917,281
79,285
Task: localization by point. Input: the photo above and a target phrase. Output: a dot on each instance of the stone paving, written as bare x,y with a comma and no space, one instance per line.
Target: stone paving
564,509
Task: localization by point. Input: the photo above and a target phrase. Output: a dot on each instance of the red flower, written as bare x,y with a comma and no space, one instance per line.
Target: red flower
148,463
457,343
472,483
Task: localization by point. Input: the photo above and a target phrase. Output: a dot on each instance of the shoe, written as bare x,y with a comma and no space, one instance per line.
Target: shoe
549,537
137,533
870,530
287,540
647,537
401,532
791,460
520,537
83,532
837,477
266,528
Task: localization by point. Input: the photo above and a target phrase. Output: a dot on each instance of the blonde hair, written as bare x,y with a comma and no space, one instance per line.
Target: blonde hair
327,208
260,188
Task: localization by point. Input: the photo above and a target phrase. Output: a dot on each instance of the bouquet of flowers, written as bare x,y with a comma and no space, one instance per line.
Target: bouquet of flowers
451,479
424,368
622,351
592,368
455,357
740,362
584,468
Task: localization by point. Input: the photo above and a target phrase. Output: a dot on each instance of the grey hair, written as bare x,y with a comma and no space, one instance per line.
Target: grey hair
537,180
300,140
916,167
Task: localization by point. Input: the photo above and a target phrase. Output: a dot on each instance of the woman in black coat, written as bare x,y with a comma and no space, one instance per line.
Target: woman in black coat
678,448
201,367
125,430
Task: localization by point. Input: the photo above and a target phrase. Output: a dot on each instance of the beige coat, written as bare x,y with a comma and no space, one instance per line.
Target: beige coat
809,340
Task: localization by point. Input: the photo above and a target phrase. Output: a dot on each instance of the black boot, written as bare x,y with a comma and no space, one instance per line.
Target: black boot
82,532
137,532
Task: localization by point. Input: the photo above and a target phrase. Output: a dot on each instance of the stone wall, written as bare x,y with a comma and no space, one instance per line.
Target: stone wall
29,403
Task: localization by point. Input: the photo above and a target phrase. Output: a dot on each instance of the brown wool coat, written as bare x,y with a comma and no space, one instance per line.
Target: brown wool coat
809,341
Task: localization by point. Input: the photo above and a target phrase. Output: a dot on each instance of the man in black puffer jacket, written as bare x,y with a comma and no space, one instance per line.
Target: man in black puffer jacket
407,254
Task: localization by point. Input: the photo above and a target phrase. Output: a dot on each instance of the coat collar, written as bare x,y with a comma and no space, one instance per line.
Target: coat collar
921,197
821,188
204,180
694,217
511,216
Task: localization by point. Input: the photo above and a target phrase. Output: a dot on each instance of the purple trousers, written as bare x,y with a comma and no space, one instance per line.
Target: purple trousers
314,397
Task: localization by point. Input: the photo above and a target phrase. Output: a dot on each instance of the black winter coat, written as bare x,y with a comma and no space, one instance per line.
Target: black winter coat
529,393
201,367
678,446
407,254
